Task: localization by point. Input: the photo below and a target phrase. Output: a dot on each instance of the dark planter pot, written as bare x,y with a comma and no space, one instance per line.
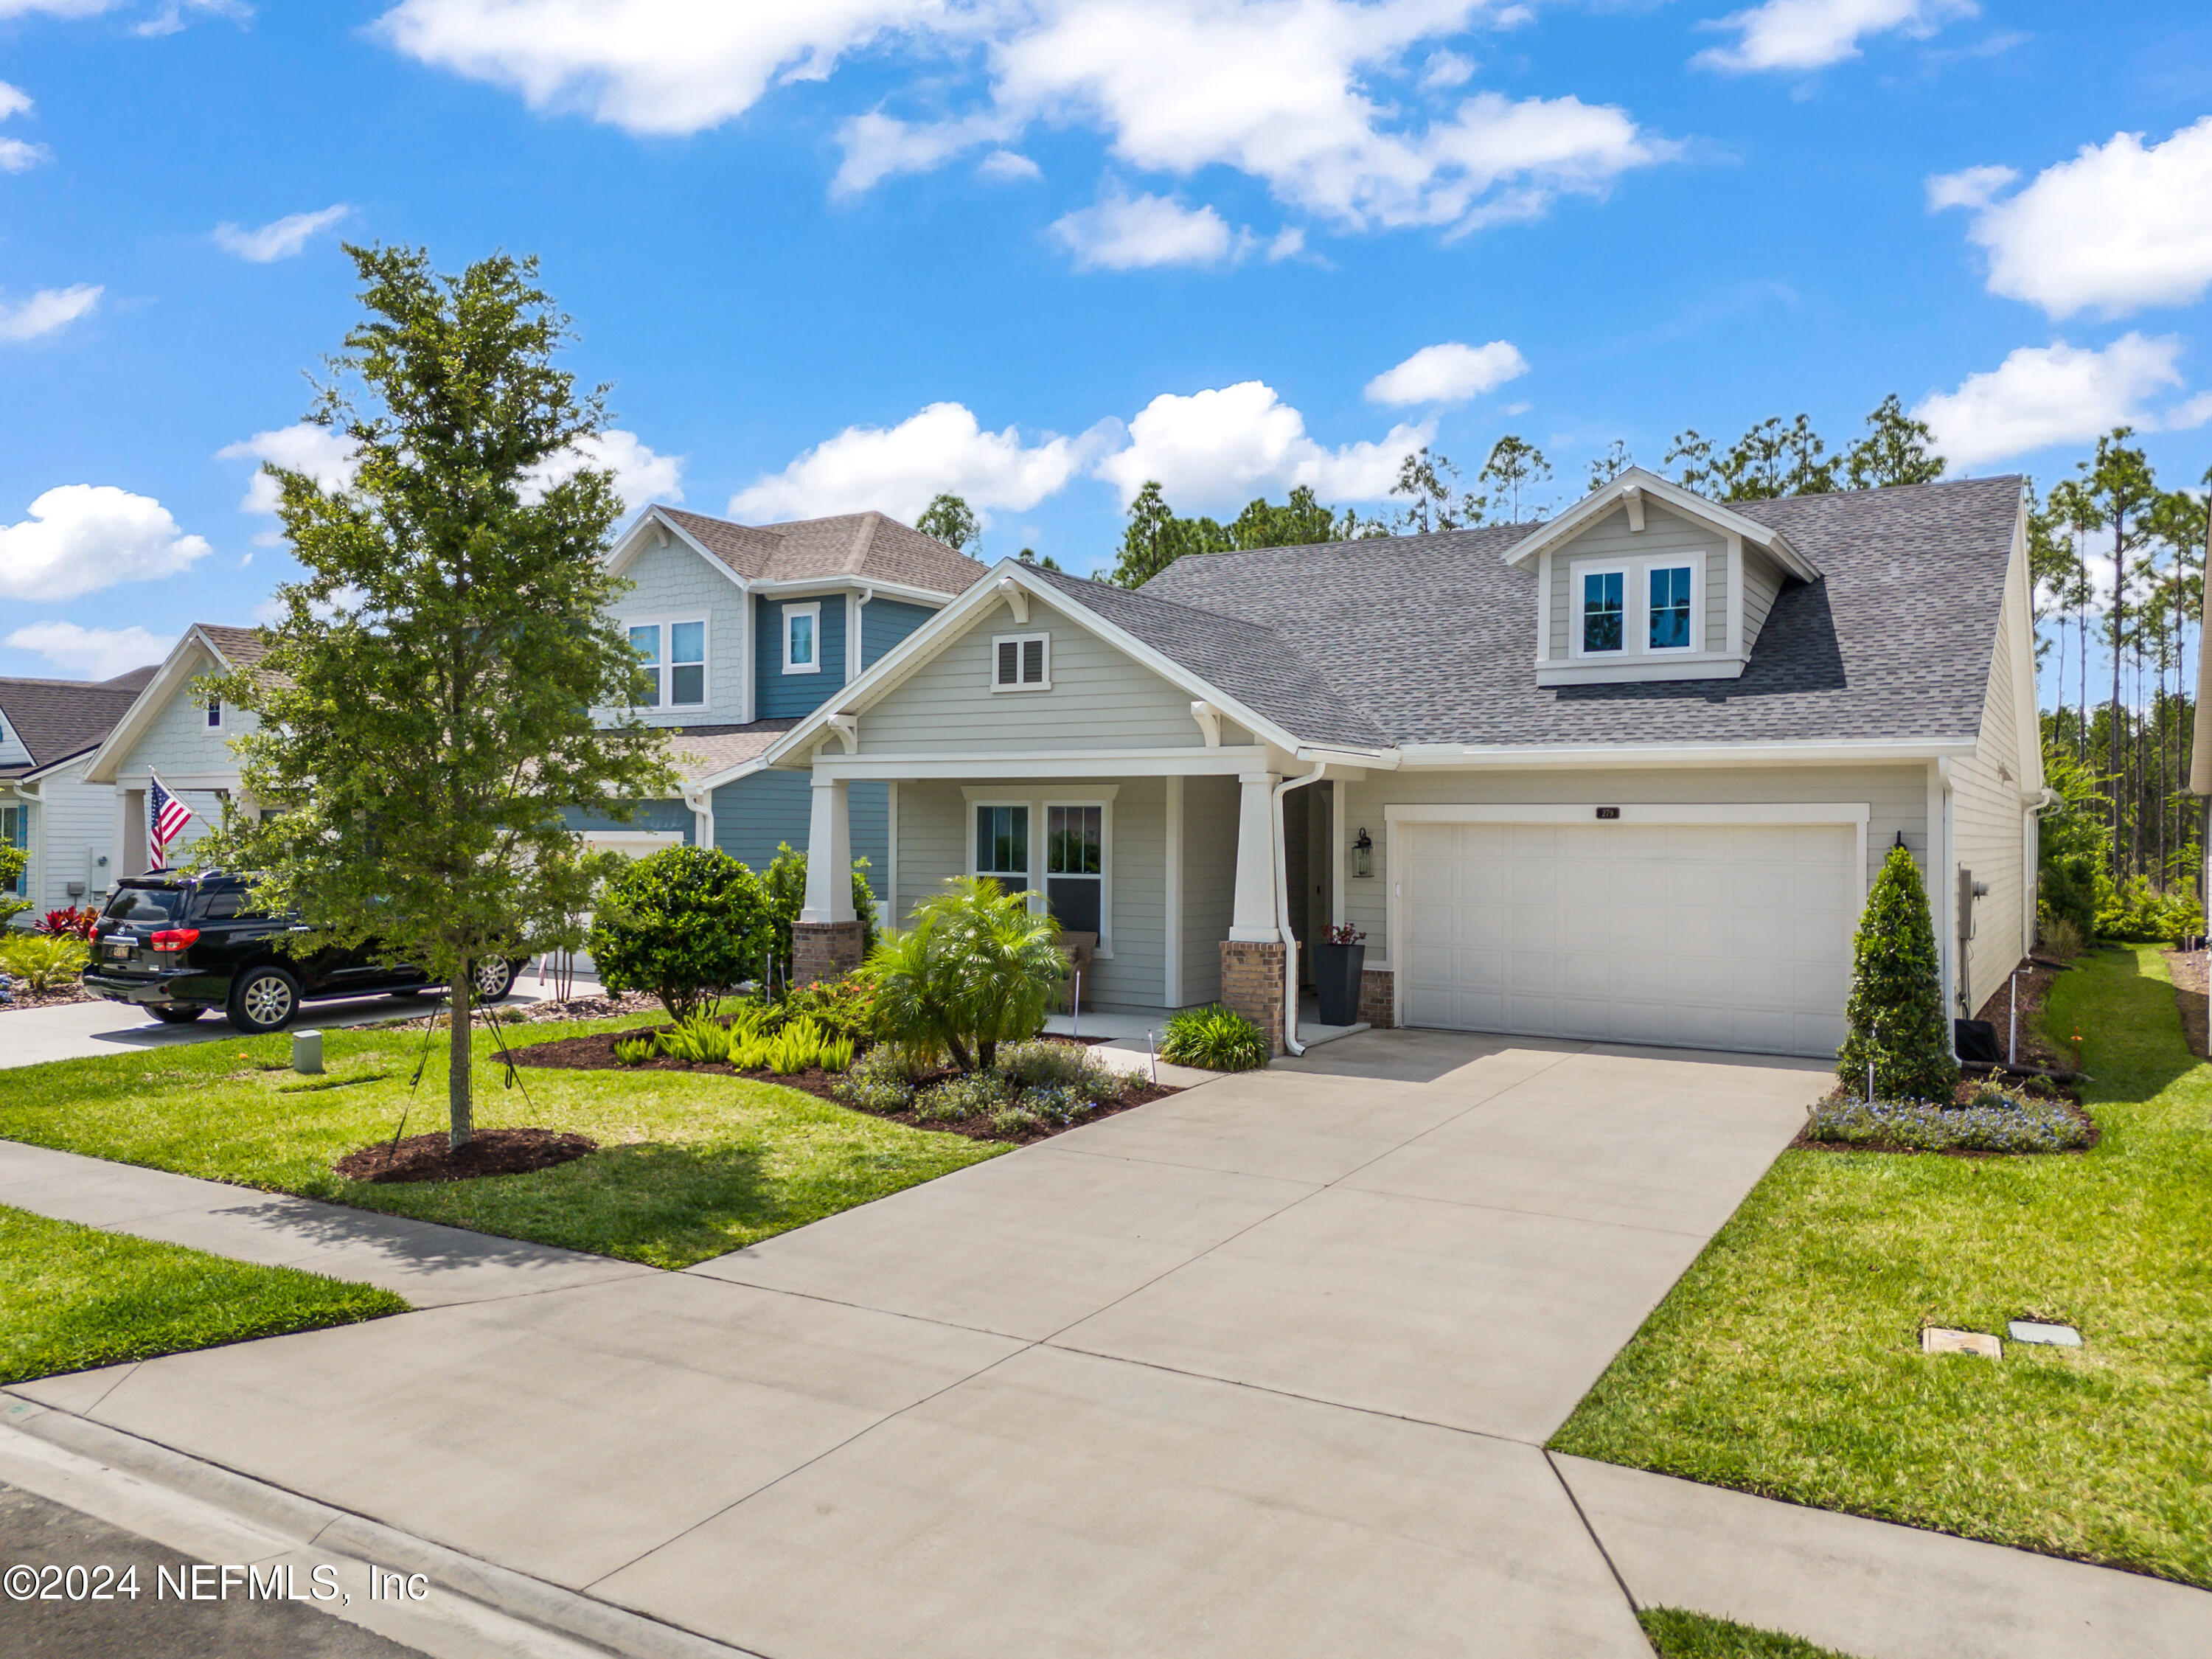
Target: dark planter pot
1336,977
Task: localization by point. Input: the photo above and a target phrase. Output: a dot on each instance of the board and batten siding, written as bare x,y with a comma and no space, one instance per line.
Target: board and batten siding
74,831
1663,533
779,695
1099,699
674,583
763,810
1988,808
1896,797
934,823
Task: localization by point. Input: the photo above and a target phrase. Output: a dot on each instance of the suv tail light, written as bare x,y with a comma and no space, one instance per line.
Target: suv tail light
175,939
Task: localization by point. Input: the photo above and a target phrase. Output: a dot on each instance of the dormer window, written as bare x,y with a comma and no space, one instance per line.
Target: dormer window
1635,607
1669,611
1603,593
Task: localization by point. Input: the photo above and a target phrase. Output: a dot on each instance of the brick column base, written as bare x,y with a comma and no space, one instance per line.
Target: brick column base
1252,985
1376,1001
823,949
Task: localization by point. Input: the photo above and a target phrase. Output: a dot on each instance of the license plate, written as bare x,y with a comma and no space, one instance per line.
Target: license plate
119,952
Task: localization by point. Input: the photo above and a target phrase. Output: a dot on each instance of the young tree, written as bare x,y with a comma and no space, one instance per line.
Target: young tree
1770,460
1425,484
2116,492
1895,1015
949,519
1896,450
426,699
1610,465
1511,464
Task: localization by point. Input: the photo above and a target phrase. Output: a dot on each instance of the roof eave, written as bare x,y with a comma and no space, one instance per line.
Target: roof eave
1670,494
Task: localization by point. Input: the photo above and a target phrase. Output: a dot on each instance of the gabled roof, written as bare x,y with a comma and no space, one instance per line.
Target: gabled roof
1431,635
1251,662
1633,486
56,719
853,546
234,648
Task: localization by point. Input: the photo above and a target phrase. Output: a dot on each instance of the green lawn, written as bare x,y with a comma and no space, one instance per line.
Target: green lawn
1786,1362
689,1166
73,1297
1678,1635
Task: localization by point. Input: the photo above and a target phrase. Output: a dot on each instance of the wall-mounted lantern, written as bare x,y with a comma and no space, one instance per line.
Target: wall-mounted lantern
1363,855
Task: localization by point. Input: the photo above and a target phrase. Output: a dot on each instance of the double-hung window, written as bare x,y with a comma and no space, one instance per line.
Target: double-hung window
1636,608
1002,845
1668,616
1604,592
1075,867
672,656
802,638
215,714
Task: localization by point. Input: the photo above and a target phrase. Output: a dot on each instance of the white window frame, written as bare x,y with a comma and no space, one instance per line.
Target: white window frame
1029,877
1017,640
1099,795
1577,579
664,675
812,608
1694,563
1636,605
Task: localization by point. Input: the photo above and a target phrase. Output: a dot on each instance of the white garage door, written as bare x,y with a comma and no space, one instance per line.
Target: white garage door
1702,936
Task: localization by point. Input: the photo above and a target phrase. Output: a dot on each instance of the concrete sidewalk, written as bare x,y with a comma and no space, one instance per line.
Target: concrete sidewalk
1264,1369
429,1264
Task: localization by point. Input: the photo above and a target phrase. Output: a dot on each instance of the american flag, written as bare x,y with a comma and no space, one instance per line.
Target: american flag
166,818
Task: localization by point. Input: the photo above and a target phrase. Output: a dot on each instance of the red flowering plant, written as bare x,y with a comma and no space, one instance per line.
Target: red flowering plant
71,921
1344,933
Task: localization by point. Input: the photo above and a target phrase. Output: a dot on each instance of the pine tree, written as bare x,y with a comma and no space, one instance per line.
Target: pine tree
1895,1015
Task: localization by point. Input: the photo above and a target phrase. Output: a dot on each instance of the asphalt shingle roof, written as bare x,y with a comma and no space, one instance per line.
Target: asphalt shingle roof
858,544
1433,638
56,719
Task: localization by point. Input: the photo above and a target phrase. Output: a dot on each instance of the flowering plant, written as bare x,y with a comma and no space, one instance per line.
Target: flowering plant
1345,934
69,922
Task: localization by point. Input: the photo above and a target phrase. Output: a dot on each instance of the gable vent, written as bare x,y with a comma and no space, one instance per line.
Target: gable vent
1021,662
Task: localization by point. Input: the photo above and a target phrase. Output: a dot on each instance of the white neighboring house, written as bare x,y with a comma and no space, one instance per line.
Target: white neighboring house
49,730
173,730
1622,776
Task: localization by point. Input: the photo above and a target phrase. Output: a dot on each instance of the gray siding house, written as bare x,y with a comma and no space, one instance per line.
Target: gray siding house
1623,776
49,731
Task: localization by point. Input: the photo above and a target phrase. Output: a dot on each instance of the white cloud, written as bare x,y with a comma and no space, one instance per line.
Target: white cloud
92,653
640,475
1287,243
323,454
48,310
82,538
2044,395
2119,226
1128,233
1448,373
1216,448
897,470
16,155
14,101
279,239
1279,90
1808,35
1009,165
165,18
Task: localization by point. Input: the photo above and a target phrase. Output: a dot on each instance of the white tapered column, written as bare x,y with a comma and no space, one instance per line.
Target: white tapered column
1253,920
828,855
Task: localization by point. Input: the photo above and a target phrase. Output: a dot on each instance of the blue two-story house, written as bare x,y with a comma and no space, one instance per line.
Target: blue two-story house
744,630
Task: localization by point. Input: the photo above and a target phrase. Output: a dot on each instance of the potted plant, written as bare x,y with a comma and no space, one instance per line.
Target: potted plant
1337,966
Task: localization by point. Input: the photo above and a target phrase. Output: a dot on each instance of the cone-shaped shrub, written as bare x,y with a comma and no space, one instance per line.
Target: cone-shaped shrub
1895,1015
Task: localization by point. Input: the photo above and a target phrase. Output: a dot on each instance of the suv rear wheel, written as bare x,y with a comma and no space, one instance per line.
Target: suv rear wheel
262,1000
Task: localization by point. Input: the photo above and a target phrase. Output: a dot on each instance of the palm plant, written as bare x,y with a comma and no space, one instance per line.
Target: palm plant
974,970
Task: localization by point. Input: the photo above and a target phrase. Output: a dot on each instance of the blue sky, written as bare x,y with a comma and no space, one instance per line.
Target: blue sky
841,255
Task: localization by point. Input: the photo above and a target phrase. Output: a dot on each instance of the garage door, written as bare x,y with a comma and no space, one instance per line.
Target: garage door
1708,936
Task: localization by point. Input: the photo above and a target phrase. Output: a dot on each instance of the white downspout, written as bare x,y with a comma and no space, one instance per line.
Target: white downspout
1283,910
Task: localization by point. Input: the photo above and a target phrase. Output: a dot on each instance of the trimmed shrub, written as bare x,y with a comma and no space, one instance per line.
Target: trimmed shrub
1215,1038
1895,1016
687,924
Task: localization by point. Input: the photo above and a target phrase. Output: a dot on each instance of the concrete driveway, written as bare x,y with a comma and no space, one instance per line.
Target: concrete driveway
1259,1369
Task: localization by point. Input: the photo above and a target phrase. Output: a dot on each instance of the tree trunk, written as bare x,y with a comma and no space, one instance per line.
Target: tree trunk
2115,755
459,1101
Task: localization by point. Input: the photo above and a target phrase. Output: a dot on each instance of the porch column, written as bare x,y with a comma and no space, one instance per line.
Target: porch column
1254,957
825,941
1253,919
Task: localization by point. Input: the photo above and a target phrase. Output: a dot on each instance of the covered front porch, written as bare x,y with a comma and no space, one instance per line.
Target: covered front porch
1206,875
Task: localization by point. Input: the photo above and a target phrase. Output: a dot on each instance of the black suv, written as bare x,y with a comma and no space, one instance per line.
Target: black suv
178,945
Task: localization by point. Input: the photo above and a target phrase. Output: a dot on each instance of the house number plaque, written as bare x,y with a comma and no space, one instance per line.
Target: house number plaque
1609,811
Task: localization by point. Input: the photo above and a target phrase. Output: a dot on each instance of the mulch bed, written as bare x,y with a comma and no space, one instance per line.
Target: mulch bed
535,1013
2035,982
27,998
2186,969
490,1152
595,1052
